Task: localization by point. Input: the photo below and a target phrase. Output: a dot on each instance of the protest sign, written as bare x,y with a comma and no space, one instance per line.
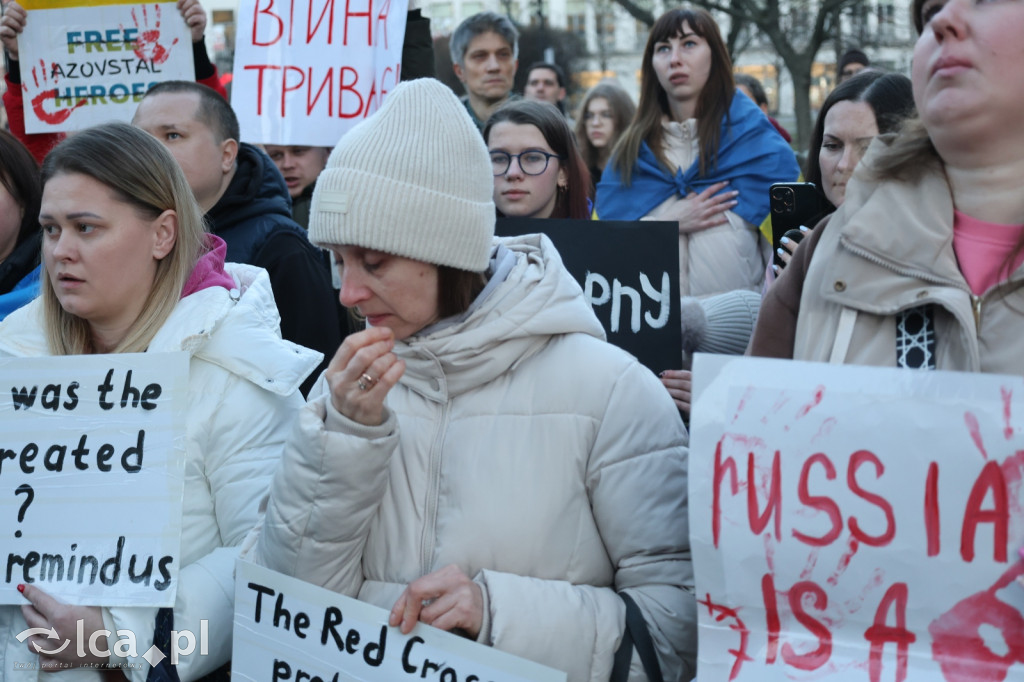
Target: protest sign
85,62
629,273
308,70
91,477
287,629
856,523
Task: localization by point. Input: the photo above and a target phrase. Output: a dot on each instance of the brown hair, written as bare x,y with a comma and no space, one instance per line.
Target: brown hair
622,108
572,203
712,104
457,289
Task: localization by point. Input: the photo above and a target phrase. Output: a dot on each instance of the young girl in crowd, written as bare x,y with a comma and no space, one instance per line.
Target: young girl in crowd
605,112
699,155
537,168
129,268
522,470
921,265
19,225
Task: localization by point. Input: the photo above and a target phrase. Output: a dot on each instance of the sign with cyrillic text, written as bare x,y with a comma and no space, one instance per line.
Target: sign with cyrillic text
856,523
92,462
286,629
85,62
308,70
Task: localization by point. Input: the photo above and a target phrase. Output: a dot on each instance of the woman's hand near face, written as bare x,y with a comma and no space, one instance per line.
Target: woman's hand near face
446,599
362,372
701,211
43,611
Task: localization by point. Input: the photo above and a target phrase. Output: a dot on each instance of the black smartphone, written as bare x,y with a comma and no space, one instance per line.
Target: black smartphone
792,204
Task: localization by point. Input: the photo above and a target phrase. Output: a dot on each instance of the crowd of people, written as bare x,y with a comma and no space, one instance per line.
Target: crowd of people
388,401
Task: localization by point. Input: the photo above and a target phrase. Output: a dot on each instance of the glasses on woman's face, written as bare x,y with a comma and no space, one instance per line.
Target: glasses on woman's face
531,162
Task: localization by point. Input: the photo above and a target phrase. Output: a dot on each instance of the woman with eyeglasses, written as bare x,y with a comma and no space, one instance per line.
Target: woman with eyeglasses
698,155
537,167
606,111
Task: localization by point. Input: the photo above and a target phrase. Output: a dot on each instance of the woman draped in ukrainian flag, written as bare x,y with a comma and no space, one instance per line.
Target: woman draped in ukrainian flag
698,154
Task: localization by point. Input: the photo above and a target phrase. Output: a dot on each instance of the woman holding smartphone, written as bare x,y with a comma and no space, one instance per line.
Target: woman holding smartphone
698,155
929,241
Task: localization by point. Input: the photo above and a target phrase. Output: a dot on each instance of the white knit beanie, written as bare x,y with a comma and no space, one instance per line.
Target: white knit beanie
414,180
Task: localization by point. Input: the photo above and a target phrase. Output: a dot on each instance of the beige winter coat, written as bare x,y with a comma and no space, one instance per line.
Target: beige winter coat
718,259
890,248
547,464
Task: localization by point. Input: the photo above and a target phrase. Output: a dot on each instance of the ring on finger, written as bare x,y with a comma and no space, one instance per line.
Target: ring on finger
366,382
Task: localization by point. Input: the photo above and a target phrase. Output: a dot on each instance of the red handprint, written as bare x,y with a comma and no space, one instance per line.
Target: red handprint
41,80
958,645
147,45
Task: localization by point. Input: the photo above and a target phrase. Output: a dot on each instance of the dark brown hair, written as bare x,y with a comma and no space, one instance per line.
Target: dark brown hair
19,174
712,104
572,203
622,108
456,290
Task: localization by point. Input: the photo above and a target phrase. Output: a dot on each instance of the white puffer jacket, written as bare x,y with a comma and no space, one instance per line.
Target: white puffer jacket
547,464
242,401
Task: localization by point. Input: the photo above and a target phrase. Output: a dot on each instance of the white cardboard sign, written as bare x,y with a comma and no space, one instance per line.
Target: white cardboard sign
856,523
286,629
308,70
92,460
86,62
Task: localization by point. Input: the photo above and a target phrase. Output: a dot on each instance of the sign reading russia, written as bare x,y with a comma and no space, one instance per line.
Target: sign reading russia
85,62
308,70
856,523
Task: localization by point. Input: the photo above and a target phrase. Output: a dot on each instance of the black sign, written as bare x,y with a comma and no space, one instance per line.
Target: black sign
629,273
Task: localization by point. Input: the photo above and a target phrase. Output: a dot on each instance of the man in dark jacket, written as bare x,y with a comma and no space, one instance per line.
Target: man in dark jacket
247,205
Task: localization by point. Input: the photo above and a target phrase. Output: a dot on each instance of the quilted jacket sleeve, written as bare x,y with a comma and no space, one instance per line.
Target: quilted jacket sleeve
320,537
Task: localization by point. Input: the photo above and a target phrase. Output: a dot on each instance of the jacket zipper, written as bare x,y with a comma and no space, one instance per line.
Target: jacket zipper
433,492
976,301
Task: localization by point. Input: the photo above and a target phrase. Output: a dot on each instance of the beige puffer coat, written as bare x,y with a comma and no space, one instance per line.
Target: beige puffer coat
889,248
547,464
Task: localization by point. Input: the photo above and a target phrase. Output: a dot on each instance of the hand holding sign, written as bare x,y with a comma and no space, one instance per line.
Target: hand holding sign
195,18
11,26
446,599
47,613
148,46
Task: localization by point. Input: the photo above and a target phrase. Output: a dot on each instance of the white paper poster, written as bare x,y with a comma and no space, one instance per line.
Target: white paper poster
286,629
91,477
853,523
85,62
308,70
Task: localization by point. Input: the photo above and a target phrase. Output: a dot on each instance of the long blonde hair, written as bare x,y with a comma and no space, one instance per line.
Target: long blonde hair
143,174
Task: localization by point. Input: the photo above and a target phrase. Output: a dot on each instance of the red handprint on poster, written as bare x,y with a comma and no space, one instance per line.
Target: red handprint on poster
148,45
57,114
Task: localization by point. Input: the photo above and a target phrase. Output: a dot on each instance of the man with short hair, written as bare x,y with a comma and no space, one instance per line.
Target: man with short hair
247,205
545,82
484,50
300,165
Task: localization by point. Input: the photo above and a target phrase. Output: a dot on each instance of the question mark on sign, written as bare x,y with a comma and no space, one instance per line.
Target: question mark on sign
29,496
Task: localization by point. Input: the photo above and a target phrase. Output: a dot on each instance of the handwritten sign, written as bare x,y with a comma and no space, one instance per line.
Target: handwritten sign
629,275
286,629
308,70
86,62
91,477
856,523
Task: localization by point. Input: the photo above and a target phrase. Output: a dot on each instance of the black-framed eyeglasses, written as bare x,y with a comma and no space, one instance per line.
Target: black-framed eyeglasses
531,162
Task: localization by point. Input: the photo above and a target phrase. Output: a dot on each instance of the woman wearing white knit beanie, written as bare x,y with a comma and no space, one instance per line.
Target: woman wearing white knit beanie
478,458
